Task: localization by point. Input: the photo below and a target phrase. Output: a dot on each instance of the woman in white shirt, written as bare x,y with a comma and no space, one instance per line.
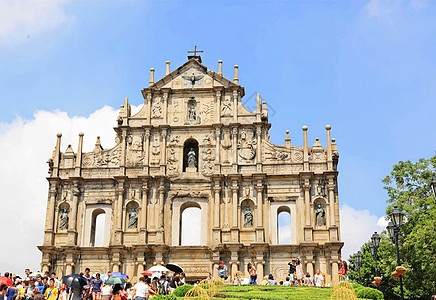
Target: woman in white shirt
318,278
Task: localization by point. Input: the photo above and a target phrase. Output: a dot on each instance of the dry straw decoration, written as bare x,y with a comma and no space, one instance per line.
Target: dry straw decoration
196,293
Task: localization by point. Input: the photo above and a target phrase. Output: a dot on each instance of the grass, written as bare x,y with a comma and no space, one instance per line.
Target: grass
274,293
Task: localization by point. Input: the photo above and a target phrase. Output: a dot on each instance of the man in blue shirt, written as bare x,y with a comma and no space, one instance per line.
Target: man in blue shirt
40,284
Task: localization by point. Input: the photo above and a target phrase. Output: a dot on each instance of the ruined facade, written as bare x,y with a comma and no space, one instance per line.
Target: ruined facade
193,144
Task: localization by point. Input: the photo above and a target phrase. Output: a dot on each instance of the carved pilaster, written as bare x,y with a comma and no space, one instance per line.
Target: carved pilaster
72,226
218,106
259,222
163,160
119,195
148,103
165,106
259,149
235,147
160,214
235,106
146,151
143,216
331,190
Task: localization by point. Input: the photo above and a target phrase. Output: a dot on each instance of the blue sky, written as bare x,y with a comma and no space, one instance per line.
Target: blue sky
368,68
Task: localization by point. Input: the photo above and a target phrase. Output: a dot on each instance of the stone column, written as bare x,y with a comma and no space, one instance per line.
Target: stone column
77,171
165,106
218,106
146,151
73,218
152,206
234,261
259,191
259,267
119,194
259,222
163,160
49,228
160,221
235,106
143,216
259,149
226,224
217,189
331,189
123,153
148,103
235,189
307,212
335,267
217,149
309,267
235,146
305,151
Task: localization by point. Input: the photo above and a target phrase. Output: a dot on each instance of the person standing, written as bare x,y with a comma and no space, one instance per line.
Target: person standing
52,292
253,274
292,270
3,291
140,290
175,282
299,273
222,270
96,287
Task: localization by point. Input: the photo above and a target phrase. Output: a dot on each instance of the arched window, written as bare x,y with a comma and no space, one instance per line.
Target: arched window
190,225
98,228
190,145
284,225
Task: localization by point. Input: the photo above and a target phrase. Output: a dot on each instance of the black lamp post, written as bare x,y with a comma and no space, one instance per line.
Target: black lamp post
358,262
397,218
373,247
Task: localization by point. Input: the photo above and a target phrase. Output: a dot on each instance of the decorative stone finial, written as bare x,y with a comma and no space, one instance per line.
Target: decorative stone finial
98,146
151,76
328,127
168,68
81,134
287,139
220,67
305,128
235,77
59,134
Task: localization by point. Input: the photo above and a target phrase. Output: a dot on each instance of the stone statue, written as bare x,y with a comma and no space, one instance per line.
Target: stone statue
192,162
248,216
192,113
133,218
64,219
320,215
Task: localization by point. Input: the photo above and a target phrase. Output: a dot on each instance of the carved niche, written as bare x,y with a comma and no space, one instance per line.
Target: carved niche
135,155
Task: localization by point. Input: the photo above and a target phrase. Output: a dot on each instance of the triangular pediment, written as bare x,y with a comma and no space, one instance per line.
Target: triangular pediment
192,75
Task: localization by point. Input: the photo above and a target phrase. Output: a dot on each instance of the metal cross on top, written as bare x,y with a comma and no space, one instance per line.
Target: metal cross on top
195,51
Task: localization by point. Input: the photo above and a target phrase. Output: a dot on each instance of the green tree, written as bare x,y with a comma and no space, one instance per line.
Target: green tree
408,187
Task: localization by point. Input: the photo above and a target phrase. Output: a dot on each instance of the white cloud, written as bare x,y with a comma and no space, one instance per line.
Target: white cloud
357,226
25,147
21,19
389,8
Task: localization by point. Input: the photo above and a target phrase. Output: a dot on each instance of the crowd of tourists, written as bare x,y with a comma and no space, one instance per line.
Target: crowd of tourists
46,286
296,276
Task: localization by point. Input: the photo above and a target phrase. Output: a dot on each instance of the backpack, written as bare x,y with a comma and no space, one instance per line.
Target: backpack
161,288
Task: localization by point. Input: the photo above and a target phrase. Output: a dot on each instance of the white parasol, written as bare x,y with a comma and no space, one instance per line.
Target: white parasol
158,268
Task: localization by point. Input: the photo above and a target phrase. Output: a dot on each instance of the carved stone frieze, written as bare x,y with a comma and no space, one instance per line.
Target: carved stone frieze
208,157
274,153
156,109
135,155
246,144
103,158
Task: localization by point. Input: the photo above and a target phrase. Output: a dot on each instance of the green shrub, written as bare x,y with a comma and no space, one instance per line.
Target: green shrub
164,297
368,293
182,290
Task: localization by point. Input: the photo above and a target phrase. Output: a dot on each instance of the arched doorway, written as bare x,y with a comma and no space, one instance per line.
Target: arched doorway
284,225
190,225
98,228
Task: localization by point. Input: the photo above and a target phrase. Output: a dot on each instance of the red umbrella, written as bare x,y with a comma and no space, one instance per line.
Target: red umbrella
5,280
148,273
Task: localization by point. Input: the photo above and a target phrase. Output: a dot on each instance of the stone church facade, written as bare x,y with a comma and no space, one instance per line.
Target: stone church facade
193,144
